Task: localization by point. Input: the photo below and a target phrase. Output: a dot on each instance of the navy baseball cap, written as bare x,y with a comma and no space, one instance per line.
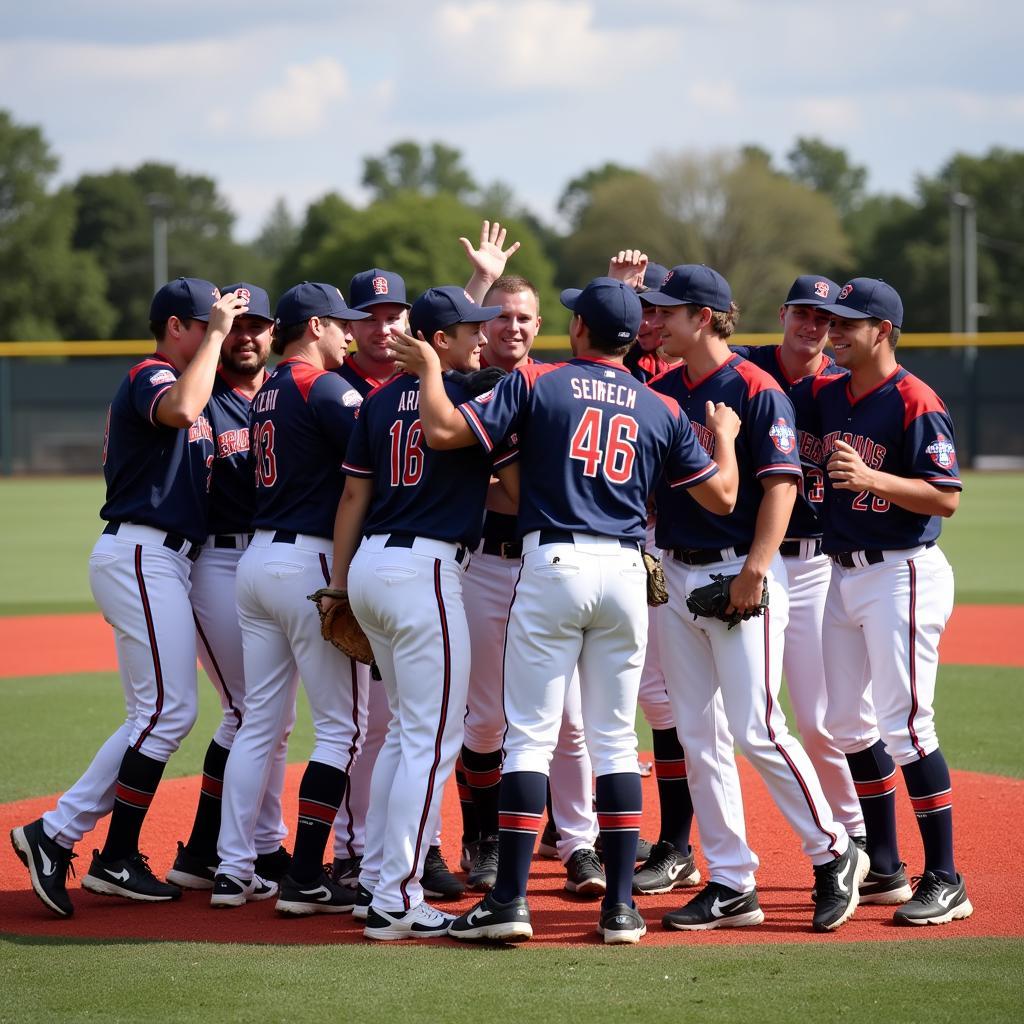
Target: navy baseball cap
654,276
692,284
313,298
258,299
372,287
187,298
445,306
610,309
812,290
865,297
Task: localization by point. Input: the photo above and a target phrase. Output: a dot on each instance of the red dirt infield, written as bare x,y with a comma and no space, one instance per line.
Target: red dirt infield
49,645
987,809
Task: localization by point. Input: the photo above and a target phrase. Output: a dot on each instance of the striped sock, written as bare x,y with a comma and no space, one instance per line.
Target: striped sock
931,794
673,789
137,780
483,774
470,820
203,840
520,810
874,778
619,805
320,794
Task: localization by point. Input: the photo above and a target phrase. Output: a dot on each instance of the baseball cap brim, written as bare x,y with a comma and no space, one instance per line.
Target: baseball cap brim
837,309
480,316
569,296
656,298
380,300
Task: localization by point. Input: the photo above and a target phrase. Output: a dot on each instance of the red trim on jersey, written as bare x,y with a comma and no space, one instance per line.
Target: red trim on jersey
532,371
304,374
374,382
387,383
694,384
158,673
783,468
156,398
156,358
670,402
912,657
822,381
446,684
349,467
618,821
945,481
704,474
519,821
673,769
935,802
870,391
823,363
918,399
482,780
756,379
480,430
217,670
769,704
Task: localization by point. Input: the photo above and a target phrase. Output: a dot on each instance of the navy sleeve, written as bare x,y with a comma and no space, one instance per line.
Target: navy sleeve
494,414
333,403
147,388
769,426
929,450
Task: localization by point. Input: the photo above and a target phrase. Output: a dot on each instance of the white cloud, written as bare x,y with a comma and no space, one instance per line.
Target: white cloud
299,105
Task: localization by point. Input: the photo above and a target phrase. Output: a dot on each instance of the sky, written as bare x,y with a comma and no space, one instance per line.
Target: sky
286,99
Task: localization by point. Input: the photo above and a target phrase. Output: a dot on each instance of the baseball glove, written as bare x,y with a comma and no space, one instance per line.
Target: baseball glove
479,381
339,626
657,589
711,601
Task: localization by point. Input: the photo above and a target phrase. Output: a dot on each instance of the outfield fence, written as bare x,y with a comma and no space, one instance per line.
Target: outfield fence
54,395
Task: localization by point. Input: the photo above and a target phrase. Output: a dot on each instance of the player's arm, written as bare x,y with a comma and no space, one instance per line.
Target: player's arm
628,266
443,425
507,492
183,402
848,472
769,532
488,262
348,526
718,493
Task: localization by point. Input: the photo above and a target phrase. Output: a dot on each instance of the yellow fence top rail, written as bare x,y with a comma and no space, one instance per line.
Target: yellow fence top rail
548,343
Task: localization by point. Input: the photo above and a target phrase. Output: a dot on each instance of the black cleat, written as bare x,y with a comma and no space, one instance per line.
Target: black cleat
666,869
48,864
345,870
484,872
584,874
437,881
273,866
716,906
321,896
192,872
129,877
621,924
491,921
231,891
935,901
837,888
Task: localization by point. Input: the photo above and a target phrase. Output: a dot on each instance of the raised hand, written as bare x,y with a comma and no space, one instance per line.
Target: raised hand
489,260
628,266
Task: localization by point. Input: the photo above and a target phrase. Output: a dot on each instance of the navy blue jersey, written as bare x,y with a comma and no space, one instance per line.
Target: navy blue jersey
300,425
645,366
900,427
766,445
805,521
232,487
156,475
593,442
417,490
351,373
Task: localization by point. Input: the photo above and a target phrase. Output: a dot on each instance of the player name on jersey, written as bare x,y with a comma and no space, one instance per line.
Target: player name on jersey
591,390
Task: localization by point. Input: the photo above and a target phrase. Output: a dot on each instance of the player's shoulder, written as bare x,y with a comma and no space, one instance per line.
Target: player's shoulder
755,378
317,384
532,372
760,355
830,378
153,370
918,398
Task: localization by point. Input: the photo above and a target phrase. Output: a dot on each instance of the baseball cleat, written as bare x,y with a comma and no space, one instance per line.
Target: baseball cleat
190,871
345,870
935,901
716,906
886,889
491,921
666,869
364,897
231,891
129,877
837,888
422,922
484,872
321,896
437,881
469,848
621,924
584,874
861,842
48,863
273,866
549,839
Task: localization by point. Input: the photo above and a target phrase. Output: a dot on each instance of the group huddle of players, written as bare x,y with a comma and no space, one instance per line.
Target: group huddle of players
487,515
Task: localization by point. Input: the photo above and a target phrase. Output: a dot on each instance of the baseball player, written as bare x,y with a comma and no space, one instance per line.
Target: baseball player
299,427
381,294
593,441
704,657
795,365
157,453
219,639
891,473
419,514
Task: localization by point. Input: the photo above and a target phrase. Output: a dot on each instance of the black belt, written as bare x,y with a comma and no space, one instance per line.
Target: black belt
229,540
566,537
285,536
707,556
174,541
794,548
504,548
846,559
406,540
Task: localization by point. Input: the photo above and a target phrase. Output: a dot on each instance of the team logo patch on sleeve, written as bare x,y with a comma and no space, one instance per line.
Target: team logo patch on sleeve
485,397
351,398
783,436
162,377
941,452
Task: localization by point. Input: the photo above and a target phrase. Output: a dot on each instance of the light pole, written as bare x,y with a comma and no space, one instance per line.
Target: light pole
963,301
159,206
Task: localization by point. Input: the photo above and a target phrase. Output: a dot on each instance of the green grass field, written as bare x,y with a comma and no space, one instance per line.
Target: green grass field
46,530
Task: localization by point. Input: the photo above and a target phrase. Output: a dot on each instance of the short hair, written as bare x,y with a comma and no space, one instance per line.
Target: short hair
158,328
284,336
513,283
612,346
894,334
724,323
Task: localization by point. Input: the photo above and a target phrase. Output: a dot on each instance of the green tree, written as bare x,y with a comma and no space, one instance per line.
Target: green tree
828,170
407,167
50,290
578,195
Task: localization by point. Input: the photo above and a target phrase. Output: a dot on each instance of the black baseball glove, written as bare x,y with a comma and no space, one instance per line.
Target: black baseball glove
711,601
479,381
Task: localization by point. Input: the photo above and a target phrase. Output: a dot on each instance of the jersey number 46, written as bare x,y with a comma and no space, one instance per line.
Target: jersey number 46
615,460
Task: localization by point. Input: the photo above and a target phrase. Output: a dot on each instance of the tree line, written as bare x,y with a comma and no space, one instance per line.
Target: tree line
76,261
